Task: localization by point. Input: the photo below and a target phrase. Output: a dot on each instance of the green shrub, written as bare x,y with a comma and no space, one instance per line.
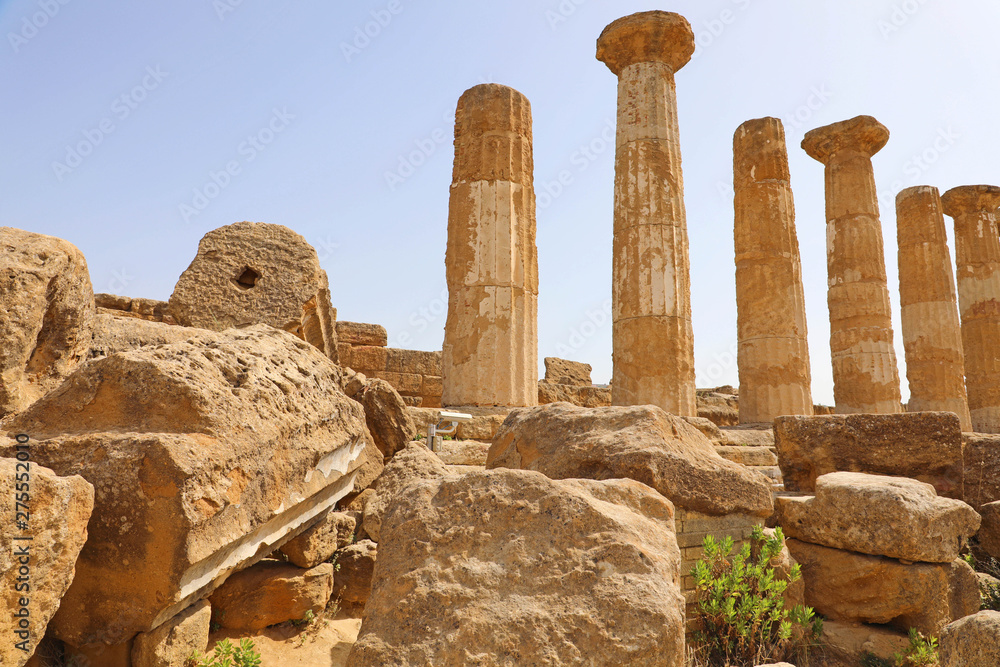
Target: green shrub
741,608
922,652
227,655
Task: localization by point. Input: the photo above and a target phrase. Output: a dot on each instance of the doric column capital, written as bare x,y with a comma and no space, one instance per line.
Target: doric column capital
862,134
655,36
971,199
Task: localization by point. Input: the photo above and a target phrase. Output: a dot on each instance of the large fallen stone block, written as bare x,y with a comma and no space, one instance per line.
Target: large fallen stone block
989,531
414,463
973,641
112,334
643,443
360,333
335,531
172,643
982,469
509,567
847,644
881,516
561,371
46,310
858,588
206,455
921,445
585,396
269,593
39,544
352,581
388,421
257,273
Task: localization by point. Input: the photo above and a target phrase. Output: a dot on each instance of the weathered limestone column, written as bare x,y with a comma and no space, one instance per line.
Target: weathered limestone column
932,334
491,336
651,293
977,255
771,325
865,376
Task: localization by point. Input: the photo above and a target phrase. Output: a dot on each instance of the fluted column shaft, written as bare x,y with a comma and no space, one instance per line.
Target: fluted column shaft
865,374
932,334
490,354
773,350
651,294
977,257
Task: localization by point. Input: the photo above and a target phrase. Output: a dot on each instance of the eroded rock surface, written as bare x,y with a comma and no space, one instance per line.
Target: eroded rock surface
415,462
269,593
973,641
508,567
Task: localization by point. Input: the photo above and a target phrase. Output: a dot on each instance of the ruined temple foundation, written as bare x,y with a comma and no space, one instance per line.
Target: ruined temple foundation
771,327
932,334
653,337
865,376
490,355
977,256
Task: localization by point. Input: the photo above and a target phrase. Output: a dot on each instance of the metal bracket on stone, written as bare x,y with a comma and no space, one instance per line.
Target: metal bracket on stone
435,431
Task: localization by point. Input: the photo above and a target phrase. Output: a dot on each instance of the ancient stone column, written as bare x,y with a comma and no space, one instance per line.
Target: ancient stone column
932,334
865,377
773,349
653,339
977,256
490,354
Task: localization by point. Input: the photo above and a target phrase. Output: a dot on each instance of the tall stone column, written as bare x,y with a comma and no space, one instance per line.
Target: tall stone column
977,255
771,326
865,376
651,292
490,354
932,334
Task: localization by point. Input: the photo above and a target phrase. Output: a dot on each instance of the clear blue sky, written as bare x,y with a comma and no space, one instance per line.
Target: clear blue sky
117,115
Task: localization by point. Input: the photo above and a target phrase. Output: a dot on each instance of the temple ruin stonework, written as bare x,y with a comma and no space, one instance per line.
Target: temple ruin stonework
651,292
977,256
932,334
490,354
773,348
865,377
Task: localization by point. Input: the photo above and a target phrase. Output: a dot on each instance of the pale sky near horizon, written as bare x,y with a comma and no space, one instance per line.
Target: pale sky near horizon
121,119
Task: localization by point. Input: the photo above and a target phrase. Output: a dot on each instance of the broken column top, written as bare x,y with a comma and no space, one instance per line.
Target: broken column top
759,152
970,198
916,209
655,36
486,112
863,134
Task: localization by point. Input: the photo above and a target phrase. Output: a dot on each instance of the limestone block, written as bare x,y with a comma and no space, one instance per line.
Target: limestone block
173,642
881,516
510,567
386,416
414,463
921,445
642,443
973,641
561,371
37,559
414,362
357,333
46,313
334,531
352,581
269,593
989,532
585,396
982,469
205,455
111,334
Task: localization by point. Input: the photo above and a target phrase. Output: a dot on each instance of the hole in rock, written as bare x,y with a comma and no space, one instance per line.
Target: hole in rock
248,278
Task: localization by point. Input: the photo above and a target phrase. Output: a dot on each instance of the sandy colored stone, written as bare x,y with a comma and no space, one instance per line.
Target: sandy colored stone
773,350
651,289
921,445
865,375
707,427
719,406
255,273
46,314
562,371
269,593
316,545
463,452
932,332
881,516
484,424
37,561
847,586
385,413
748,456
747,437
112,334
977,259
989,532
415,362
359,333
352,580
973,641
415,462
585,396
172,643
643,443
982,469
490,354
509,567
845,644
206,455
370,465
